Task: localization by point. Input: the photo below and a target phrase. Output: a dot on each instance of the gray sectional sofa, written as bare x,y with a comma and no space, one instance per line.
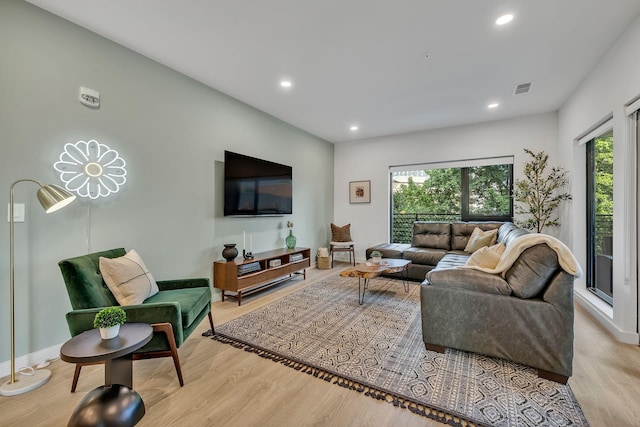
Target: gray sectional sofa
525,314
432,241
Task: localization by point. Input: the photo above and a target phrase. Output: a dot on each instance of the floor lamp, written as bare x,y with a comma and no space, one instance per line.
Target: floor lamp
51,198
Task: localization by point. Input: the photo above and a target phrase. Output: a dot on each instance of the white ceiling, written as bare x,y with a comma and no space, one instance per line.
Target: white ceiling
363,61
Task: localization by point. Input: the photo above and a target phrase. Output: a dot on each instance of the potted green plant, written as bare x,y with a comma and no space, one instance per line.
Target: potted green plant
376,257
108,320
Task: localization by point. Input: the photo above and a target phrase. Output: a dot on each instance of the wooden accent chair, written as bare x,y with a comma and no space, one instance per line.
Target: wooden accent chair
174,312
341,242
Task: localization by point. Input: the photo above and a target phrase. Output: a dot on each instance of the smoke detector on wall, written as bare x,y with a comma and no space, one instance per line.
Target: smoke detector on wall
89,97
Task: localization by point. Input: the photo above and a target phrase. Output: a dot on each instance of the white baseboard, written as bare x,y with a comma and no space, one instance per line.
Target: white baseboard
31,359
605,318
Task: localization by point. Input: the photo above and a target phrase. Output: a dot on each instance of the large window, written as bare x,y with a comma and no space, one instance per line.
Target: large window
469,193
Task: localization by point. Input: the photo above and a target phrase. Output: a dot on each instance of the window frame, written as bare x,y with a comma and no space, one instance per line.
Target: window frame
464,191
464,208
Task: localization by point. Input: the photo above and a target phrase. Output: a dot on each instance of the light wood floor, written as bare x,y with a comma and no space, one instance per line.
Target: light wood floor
228,387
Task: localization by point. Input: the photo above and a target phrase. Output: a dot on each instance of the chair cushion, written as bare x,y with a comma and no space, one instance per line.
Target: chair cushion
339,245
341,234
128,278
192,301
480,239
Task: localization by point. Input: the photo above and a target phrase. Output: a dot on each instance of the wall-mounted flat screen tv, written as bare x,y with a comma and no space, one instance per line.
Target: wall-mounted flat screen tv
256,187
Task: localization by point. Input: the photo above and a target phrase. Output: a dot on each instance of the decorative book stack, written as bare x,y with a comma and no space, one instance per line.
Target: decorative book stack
248,268
295,257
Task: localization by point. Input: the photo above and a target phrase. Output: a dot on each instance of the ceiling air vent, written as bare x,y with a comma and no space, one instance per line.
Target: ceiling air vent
522,88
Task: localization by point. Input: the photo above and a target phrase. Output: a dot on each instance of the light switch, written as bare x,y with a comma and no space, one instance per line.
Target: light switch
18,212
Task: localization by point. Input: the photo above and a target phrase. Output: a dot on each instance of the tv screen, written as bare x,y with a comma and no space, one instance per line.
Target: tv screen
256,187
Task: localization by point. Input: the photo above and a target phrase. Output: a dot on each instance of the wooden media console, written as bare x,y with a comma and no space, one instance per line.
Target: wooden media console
228,277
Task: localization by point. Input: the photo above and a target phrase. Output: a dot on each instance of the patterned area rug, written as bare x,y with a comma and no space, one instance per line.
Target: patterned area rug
377,349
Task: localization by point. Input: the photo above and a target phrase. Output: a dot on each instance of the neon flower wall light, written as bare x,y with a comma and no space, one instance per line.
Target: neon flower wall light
90,169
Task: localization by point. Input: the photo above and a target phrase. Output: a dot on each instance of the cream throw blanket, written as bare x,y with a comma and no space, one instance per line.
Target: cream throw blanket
566,259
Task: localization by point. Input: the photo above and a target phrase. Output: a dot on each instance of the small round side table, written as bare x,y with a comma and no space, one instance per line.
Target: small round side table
115,403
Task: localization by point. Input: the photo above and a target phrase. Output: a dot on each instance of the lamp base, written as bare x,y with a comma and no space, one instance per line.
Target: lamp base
25,383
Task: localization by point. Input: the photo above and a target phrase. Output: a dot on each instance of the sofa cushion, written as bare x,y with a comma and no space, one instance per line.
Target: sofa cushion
389,250
461,232
509,231
424,256
532,270
452,260
471,280
480,239
435,235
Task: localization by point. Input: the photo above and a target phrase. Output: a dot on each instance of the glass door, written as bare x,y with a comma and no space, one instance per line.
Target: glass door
600,216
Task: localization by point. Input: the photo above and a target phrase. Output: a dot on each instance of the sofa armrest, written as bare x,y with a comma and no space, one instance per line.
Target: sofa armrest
469,279
528,331
559,292
166,312
165,285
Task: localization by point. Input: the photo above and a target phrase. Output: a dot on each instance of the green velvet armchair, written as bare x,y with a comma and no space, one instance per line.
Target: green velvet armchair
174,312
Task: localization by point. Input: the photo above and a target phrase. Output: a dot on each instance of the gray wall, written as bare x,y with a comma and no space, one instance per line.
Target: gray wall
370,159
171,130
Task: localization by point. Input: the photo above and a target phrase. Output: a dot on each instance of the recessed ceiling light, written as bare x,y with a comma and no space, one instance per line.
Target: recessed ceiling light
494,105
285,83
504,19
353,128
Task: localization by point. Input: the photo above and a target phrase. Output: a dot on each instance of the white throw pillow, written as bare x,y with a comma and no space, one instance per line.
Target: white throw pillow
486,257
479,239
128,278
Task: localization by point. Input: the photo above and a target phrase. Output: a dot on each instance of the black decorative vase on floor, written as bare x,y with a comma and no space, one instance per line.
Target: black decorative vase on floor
115,405
229,252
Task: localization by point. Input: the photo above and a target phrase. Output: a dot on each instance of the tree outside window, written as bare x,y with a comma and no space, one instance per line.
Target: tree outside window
449,194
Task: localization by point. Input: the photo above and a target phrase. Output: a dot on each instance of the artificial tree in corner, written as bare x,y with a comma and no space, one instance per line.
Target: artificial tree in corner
540,193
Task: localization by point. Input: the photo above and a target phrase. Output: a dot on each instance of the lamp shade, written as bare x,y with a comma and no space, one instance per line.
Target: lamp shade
52,197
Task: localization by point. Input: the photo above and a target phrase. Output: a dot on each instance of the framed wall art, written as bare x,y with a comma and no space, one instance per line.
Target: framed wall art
360,192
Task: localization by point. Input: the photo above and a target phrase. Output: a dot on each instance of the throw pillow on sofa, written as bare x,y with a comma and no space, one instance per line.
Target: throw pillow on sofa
486,257
128,278
480,239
